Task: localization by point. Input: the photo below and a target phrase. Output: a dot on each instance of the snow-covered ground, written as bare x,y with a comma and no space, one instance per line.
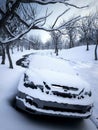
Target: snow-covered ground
80,59
85,65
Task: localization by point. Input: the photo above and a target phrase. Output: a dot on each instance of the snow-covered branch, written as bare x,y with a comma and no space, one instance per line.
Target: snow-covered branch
35,24
9,32
20,19
9,12
45,2
16,37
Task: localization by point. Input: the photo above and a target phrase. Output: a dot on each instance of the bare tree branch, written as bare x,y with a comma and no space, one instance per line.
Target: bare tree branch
59,17
45,2
45,17
9,13
23,11
16,37
70,21
72,5
28,12
1,11
41,19
42,2
21,20
9,32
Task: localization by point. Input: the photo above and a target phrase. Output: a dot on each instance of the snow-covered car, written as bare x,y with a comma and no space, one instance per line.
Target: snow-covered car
50,86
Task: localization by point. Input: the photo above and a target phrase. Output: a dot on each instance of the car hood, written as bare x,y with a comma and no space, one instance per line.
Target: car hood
58,81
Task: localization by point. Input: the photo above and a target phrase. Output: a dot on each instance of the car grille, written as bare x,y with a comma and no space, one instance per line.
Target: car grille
65,87
65,95
66,91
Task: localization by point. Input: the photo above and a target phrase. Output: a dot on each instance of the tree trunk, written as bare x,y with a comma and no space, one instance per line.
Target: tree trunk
87,45
17,47
56,52
29,46
12,50
96,58
72,43
21,48
9,57
69,44
3,54
56,48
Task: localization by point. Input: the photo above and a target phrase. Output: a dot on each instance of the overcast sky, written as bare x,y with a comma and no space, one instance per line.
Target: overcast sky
59,8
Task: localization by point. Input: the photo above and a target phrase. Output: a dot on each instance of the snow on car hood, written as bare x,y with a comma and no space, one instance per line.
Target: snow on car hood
53,70
50,63
38,76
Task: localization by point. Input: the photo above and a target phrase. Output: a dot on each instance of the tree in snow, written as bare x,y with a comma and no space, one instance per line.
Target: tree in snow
25,20
85,30
71,32
95,34
36,42
56,40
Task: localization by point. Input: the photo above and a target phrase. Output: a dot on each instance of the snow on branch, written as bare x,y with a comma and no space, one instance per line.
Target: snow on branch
37,23
45,2
9,32
9,12
16,37
20,19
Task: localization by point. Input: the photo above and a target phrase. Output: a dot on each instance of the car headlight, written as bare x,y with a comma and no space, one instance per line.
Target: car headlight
84,93
43,87
89,93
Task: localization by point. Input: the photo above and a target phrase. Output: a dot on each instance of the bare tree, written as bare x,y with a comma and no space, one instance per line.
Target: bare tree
36,42
14,26
95,34
96,45
17,20
69,30
86,30
71,33
56,40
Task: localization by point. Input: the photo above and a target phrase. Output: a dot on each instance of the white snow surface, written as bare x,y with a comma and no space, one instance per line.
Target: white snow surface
10,119
55,71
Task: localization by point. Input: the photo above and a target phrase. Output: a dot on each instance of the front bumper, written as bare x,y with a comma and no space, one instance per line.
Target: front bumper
34,105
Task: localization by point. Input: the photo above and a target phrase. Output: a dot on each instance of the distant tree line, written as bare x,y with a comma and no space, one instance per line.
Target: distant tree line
79,32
